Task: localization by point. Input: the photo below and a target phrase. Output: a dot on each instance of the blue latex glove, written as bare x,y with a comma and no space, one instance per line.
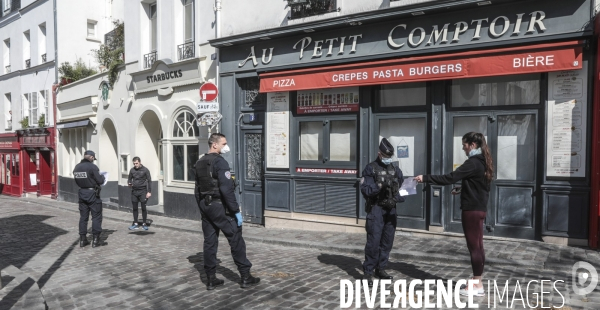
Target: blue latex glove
239,218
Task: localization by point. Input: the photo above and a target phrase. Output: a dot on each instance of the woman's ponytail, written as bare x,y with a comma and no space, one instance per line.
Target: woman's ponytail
479,140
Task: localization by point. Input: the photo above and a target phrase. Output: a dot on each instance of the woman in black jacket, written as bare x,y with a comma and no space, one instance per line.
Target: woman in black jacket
475,174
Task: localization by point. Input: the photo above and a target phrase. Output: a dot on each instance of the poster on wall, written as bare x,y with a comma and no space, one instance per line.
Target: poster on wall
333,100
404,153
566,123
278,130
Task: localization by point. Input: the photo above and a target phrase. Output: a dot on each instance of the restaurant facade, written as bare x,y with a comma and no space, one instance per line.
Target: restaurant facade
306,106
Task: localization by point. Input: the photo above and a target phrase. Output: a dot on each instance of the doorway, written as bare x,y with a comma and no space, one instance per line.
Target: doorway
45,173
512,139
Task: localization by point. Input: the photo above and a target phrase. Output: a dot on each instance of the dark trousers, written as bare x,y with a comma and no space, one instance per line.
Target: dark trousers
141,198
215,220
472,223
84,215
381,229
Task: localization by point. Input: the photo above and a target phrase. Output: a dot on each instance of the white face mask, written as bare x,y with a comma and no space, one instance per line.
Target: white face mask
225,149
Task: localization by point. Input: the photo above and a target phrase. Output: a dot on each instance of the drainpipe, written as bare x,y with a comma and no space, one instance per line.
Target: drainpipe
217,35
55,86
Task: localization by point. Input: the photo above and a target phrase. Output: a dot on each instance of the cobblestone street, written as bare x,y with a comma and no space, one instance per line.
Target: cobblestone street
162,269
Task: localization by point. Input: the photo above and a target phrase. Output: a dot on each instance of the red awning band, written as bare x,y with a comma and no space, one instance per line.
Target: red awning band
516,60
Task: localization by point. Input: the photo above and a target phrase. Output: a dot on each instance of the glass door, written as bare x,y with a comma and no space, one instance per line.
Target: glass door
407,132
512,139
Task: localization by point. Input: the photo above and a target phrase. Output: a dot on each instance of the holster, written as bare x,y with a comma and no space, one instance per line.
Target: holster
97,191
207,200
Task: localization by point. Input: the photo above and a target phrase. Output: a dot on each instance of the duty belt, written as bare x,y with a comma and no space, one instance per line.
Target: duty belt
90,188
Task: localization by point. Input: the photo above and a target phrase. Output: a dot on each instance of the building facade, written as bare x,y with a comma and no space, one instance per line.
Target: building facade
149,112
37,36
308,93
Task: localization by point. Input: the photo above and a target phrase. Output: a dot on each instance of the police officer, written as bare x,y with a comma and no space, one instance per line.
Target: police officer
88,178
380,186
214,193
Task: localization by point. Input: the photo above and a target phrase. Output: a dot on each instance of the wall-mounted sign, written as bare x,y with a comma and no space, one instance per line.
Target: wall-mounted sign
210,119
104,93
205,107
499,23
278,130
209,92
326,171
566,124
164,74
538,58
334,100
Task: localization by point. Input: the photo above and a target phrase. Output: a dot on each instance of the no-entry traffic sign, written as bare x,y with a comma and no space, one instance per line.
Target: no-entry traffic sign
208,92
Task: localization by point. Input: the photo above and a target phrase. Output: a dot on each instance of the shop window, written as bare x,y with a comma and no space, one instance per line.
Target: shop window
496,91
516,147
184,159
185,146
250,92
403,94
328,142
8,166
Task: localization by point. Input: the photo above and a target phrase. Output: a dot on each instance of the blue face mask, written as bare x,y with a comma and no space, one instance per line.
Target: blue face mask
474,152
386,161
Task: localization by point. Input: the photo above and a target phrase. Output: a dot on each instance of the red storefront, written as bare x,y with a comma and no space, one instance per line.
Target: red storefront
10,169
38,161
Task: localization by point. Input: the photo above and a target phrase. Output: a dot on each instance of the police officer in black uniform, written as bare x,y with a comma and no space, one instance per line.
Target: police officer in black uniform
88,178
380,186
215,195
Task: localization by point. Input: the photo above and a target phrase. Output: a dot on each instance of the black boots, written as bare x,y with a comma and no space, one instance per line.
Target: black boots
248,280
83,240
213,282
381,274
96,241
369,278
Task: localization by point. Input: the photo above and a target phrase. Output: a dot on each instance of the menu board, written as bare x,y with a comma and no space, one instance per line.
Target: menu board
333,100
566,123
278,130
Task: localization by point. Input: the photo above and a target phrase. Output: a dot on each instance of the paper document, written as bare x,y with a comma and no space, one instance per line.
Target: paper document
409,187
105,174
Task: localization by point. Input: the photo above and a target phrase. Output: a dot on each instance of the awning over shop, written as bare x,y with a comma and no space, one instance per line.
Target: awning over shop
514,60
74,124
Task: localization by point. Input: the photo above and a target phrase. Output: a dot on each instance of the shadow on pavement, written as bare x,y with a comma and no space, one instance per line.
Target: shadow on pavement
346,263
352,266
198,261
141,232
23,236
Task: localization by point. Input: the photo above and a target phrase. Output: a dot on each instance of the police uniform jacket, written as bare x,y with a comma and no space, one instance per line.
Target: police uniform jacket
221,172
369,187
87,176
140,179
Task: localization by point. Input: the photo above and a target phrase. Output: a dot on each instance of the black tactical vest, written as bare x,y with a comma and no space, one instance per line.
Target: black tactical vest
207,183
386,176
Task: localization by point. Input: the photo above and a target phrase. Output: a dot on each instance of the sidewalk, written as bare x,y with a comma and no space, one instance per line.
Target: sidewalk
513,253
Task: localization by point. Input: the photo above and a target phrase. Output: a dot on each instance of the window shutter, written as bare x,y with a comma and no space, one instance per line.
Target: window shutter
46,105
25,106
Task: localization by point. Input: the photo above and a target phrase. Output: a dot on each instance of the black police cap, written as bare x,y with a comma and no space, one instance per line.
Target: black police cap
89,152
386,148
